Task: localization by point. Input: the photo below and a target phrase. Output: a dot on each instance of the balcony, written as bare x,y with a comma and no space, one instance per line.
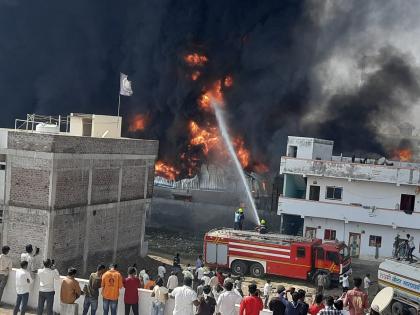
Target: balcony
399,175
348,213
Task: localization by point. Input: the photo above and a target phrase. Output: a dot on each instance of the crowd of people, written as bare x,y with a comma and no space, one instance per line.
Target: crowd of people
351,302
203,291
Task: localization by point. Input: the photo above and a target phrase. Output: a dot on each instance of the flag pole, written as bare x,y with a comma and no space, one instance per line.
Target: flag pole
119,104
118,113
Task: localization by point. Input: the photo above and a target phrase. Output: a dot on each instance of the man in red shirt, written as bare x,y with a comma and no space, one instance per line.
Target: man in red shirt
317,305
131,295
356,299
252,304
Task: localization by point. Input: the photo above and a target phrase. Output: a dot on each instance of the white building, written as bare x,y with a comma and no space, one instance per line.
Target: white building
334,197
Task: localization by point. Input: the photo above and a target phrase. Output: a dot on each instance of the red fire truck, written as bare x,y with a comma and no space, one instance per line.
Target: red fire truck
246,252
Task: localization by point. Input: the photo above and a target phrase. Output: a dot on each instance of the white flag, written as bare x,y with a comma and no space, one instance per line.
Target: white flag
125,85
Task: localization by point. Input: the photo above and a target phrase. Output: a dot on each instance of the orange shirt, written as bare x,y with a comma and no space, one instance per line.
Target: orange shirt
112,282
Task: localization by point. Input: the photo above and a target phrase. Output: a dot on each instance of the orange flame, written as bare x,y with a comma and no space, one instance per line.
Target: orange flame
241,152
208,137
228,82
213,93
195,75
196,59
165,170
137,123
260,168
403,155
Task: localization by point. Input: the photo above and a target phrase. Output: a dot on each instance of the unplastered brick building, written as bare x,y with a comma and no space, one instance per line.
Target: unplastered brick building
81,198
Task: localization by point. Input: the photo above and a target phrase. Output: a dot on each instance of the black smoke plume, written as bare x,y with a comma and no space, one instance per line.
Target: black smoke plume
287,59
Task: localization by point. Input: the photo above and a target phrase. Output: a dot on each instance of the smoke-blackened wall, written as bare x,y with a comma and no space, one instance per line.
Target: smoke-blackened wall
342,70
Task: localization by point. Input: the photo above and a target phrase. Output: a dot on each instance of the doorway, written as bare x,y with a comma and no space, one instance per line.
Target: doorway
314,192
354,244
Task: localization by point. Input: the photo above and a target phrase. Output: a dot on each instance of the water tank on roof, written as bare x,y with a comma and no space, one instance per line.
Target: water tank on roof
47,128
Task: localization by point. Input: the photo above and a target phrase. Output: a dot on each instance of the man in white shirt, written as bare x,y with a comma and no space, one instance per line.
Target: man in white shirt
267,291
47,276
367,283
160,295
227,301
185,298
5,268
199,272
345,281
213,281
206,278
172,281
29,257
188,272
162,271
23,282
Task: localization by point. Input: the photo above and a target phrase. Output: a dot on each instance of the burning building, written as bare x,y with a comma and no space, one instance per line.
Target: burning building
363,202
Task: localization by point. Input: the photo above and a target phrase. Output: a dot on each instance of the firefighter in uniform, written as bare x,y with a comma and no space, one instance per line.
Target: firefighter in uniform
262,228
239,219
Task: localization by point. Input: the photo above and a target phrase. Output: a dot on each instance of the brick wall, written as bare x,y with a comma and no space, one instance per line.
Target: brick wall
71,188
105,185
71,235
71,144
68,238
25,226
133,182
29,187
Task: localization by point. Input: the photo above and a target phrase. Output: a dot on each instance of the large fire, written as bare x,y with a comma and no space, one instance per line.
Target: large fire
204,138
208,137
403,155
195,59
165,170
137,123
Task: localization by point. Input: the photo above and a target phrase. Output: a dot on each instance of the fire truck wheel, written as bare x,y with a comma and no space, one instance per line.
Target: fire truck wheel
257,270
397,308
412,311
239,267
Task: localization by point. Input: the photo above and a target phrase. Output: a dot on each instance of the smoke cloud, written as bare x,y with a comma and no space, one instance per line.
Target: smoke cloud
341,70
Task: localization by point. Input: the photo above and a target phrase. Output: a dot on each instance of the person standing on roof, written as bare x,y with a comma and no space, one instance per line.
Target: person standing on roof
239,218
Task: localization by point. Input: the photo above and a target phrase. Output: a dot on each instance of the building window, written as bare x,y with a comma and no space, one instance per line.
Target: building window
300,252
330,235
375,241
334,193
407,203
310,232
